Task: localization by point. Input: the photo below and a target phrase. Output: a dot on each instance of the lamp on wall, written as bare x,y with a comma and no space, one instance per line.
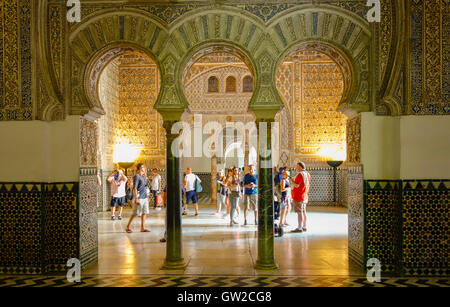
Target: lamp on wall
336,157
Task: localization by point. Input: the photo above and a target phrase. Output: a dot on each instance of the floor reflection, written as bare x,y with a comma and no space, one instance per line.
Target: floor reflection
211,247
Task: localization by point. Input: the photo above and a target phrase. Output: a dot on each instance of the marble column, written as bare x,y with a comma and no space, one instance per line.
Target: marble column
266,258
246,158
213,179
174,255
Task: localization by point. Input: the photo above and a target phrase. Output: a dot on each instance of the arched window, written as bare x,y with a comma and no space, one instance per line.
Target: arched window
231,84
213,84
247,84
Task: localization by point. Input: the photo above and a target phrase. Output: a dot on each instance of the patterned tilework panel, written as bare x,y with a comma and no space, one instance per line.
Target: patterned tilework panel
322,182
20,225
60,227
38,227
425,227
88,216
382,223
355,206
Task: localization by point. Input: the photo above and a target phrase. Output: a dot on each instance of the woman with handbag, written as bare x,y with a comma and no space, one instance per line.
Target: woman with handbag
234,184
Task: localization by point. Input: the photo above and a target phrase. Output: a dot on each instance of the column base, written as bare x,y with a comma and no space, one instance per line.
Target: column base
174,265
267,266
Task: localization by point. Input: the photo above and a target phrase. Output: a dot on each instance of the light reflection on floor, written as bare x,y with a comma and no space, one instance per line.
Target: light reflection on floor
211,247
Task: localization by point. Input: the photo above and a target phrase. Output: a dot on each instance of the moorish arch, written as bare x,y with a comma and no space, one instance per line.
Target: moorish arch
342,35
263,45
314,79
92,43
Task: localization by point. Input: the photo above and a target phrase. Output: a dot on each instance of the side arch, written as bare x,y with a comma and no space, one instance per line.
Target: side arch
345,32
107,34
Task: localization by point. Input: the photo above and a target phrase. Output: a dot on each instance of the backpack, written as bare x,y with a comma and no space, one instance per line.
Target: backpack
198,186
129,193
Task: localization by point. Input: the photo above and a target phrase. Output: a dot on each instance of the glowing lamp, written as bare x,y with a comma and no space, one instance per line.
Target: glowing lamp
333,153
125,155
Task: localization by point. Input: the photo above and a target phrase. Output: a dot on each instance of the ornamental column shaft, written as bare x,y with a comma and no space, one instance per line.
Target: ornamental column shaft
213,179
266,258
174,254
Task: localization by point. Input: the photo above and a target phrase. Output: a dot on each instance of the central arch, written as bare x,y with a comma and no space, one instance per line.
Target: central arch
205,49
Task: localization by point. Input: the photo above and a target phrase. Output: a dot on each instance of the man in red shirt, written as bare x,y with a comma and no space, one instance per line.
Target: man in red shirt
300,195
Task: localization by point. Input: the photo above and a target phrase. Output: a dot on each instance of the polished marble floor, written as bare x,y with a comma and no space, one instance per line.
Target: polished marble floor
211,247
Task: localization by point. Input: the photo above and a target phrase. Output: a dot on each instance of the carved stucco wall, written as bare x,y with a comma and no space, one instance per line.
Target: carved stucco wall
128,88
221,66
354,140
311,85
108,92
15,60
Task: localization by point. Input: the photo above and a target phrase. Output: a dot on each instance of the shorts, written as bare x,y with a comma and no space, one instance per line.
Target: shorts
141,207
251,202
298,205
191,195
118,201
221,199
285,204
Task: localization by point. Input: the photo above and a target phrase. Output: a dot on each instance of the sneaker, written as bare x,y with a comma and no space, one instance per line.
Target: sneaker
297,230
245,223
120,218
113,218
304,229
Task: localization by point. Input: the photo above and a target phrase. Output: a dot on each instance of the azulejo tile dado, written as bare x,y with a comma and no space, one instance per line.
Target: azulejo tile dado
39,227
407,225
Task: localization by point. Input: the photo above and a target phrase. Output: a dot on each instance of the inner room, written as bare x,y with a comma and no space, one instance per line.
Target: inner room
218,86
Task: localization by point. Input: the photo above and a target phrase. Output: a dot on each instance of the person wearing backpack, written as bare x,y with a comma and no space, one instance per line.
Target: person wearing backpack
192,185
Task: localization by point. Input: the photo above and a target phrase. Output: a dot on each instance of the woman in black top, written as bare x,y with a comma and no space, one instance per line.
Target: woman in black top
284,187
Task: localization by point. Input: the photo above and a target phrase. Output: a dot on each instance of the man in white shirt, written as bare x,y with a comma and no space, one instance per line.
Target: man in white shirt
156,187
191,192
118,191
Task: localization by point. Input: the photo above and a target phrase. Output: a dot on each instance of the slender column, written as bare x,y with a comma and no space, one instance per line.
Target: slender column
213,179
246,158
266,258
174,255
